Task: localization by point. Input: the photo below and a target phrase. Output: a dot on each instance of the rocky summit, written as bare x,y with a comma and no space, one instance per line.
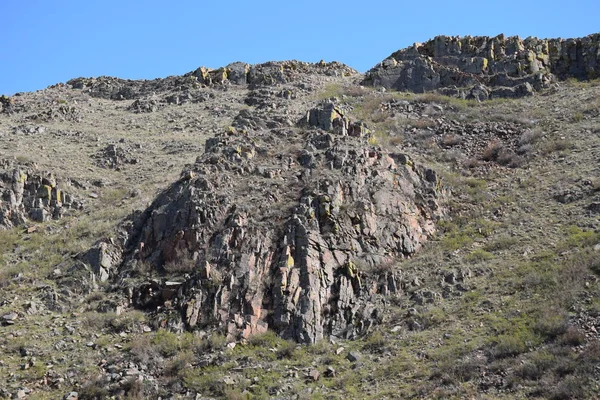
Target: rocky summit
291,230
484,67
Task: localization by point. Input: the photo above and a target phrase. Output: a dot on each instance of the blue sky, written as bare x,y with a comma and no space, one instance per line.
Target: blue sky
49,41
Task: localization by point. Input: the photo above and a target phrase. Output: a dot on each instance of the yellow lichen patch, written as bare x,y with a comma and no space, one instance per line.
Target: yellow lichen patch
204,71
45,192
188,175
57,195
351,269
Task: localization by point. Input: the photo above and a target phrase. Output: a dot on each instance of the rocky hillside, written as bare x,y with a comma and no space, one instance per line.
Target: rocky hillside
287,230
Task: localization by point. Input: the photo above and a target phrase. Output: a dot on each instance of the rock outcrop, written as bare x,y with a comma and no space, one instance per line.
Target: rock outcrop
150,95
27,194
114,156
292,229
487,67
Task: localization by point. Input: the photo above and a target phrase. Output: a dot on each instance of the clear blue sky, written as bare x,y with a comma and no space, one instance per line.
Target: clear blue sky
49,41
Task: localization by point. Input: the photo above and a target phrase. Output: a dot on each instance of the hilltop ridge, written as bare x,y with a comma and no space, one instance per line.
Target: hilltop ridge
483,67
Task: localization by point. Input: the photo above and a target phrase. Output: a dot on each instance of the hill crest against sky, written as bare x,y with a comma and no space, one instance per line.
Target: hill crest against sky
47,43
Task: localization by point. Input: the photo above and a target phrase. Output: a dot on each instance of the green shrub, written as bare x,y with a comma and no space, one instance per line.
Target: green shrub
503,242
214,342
555,145
479,255
578,237
375,343
551,324
208,380
508,346
129,320
572,337
268,339
456,240
93,389
331,90
167,343
572,387
99,321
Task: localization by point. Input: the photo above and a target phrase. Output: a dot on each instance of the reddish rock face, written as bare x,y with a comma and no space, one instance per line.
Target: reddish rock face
286,230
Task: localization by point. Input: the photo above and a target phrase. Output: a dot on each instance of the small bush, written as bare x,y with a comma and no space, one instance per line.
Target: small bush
451,140
129,320
354,91
492,151
530,137
331,90
468,369
524,149
99,321
207,380
529,371
571,387
181,264
375,343
287,350
456,240
179,363
479,255
134,389
578,237
509,159
508,346
557,145
501,243
212,343
551,324
94,389
167,343
471,163
268,339
143,351
572,337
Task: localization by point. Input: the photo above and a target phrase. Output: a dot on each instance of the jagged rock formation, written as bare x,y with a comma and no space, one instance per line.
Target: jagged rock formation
485,67
27,194
291,229
150,95
113,156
